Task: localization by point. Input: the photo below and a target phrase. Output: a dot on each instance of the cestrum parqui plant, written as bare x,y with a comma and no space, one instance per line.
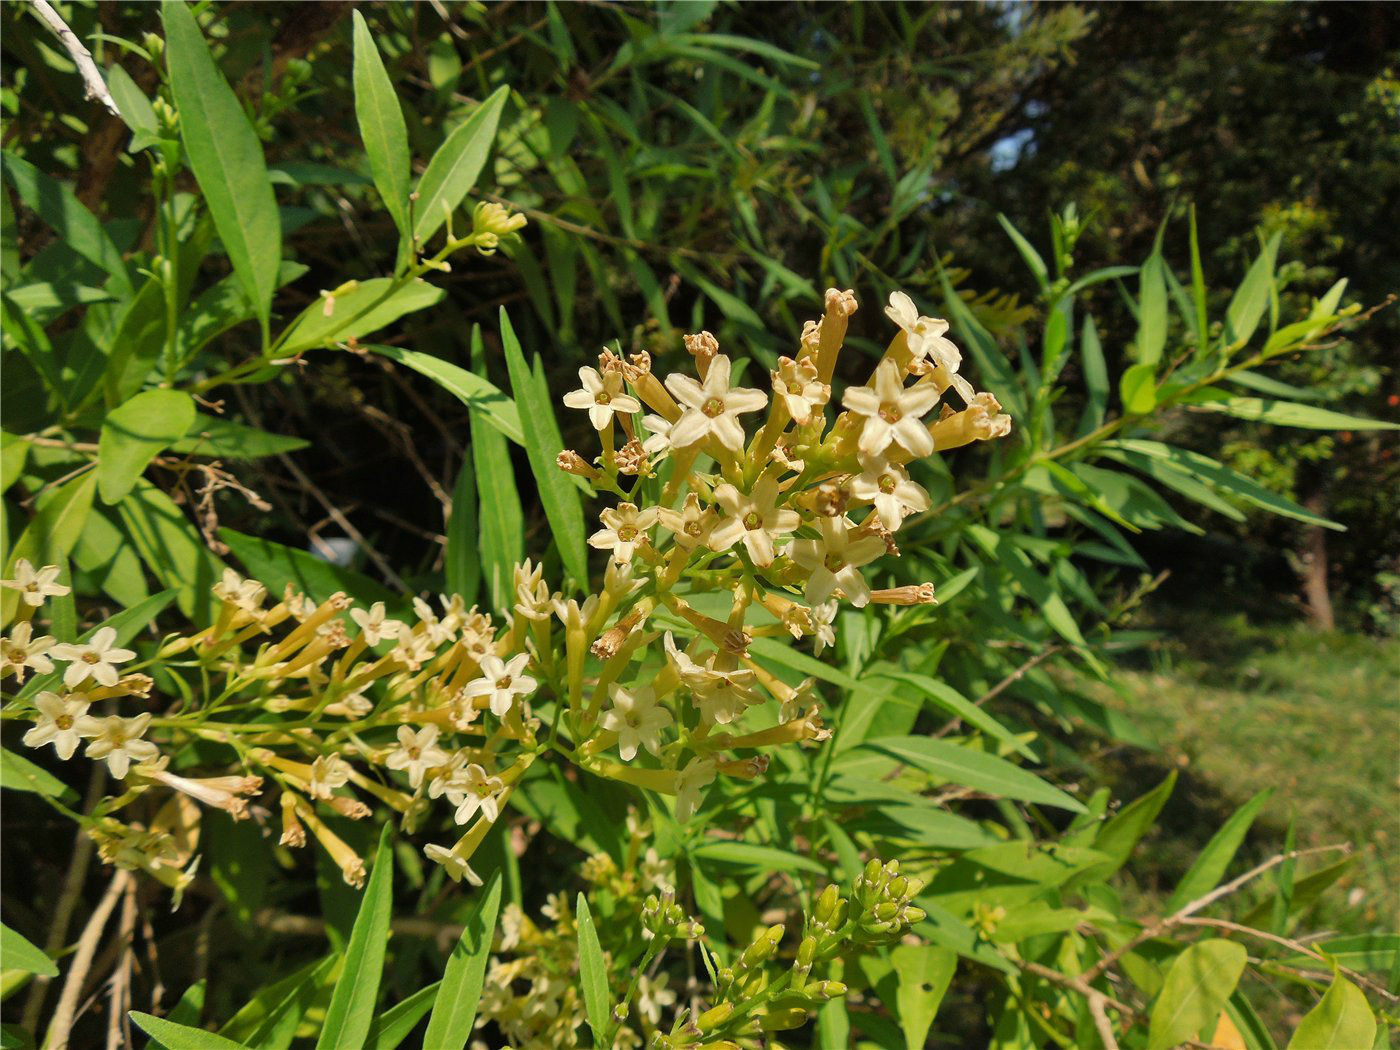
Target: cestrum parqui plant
739,514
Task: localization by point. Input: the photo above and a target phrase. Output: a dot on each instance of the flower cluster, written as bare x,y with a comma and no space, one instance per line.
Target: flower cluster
719,537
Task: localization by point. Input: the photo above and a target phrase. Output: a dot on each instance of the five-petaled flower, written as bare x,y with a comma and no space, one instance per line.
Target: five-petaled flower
835,559
473,789
34,585
21,652
417,753
58,722
96,659
887,485
802,392
453,863
637,719
756,520
892,412
503,682
602,396
118,740
712,410
625,529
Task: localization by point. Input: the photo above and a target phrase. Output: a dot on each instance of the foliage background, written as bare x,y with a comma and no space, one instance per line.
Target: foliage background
706,165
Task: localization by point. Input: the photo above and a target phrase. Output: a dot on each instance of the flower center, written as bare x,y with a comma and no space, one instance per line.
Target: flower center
413,754
503,682
753,520
887,484
713,407
890,413
627,533
64,722
692,528
602,397
833,562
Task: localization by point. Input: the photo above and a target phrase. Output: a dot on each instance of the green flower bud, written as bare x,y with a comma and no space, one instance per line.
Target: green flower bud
825,990
807,952
826,905
898,886
714,1017
913,915
783,1020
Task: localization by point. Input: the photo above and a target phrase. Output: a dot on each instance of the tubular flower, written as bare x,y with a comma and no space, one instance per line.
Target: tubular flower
374,628
96,659
625,529
637,719
835,559
59,718
756,520
888,487
35,586
118,740
601,395
691,524
926,337
417,753
503,682
892,412
21,652
802,392
712,410
472,789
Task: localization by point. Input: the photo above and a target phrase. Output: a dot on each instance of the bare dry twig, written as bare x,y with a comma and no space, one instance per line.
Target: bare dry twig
94,86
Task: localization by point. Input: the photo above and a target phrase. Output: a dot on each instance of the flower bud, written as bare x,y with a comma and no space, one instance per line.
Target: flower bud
714,1017
826,905
807,952
783,1020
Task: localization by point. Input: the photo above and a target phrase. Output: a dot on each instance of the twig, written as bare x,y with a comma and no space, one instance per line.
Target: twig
444,933
94,86
118,1027
1097,1000
1185,912
1006,683
67,898
62,1024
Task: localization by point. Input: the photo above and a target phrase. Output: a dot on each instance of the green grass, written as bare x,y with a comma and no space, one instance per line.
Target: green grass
1237,707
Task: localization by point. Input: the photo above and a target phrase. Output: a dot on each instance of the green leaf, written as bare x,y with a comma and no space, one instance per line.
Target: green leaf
395,1024
366,308
1193,464
485,399
134,433
1029,255
454,1009
1152,310
1138,389
263,1021
1209,868
455,166
1195,991
277,566
79,229
1117,838
1095,377
381,126
462,559
352,1003
137,112
182,1036
974,769
1251,299
1288,414
753,855
17,953
172,549
216,436
1198,290
542,447
226,157
17,773
953,702
925,971
1342,1021
61,513
1365,951
593,974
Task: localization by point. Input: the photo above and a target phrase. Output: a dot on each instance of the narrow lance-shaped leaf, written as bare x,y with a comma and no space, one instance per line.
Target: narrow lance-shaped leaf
1209,868
352,1003
226,157
1152,310
462,558
542,446
502,521
455,166
381,126
183,1036
1251,299
974,769
593,974
454,1010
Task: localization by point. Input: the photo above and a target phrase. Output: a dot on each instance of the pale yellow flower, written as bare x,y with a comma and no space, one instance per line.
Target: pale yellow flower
691,524
473,789
417,753
698,774
637,719
452,863
712,410
802,392
36,585
834,561
756,520
118,740
892,413
502,682
21,652
96,659
602,396
58,724
888,487
624,530
374,628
